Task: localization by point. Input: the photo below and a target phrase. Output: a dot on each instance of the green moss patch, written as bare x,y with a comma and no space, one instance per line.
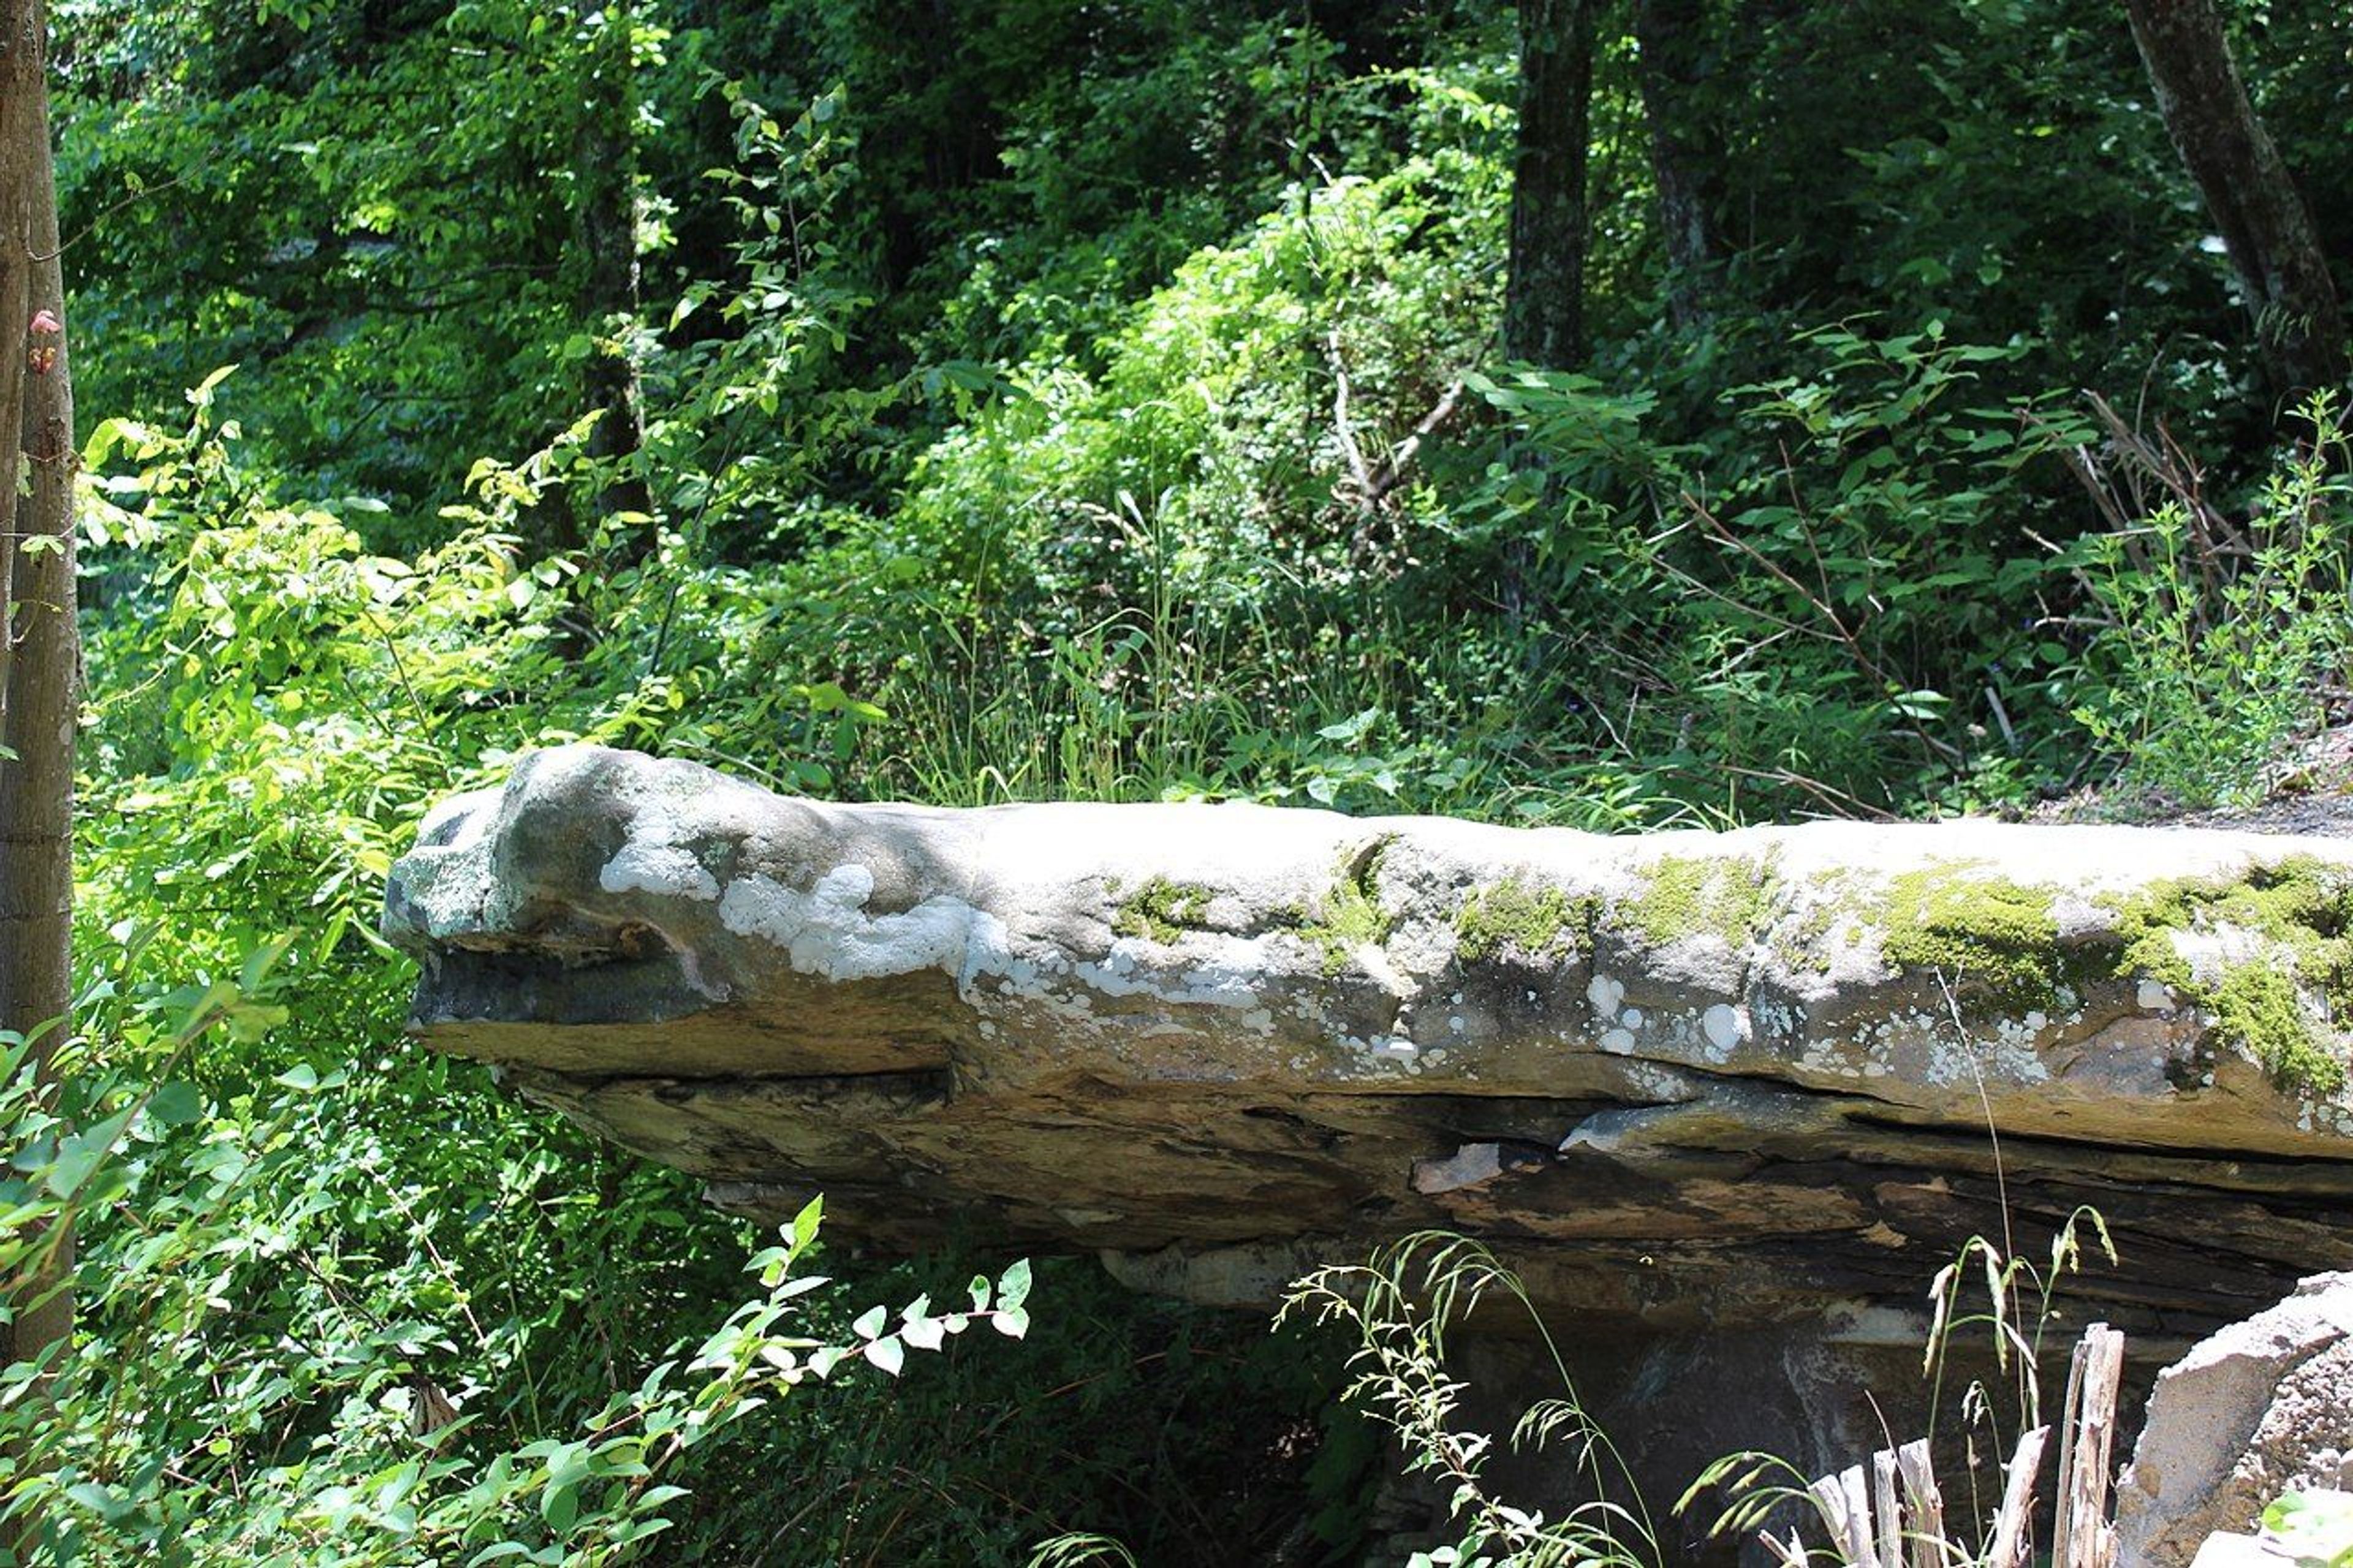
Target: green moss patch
2255,1010
2302,909
1997,939
1161,910
1510,917
1351,914
1730,898
2303,904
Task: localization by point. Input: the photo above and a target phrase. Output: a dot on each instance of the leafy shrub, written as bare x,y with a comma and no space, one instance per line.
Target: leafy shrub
2223,646
316,1234
1848,625
330,1437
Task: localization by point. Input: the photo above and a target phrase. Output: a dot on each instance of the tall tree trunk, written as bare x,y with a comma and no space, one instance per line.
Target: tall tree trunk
1544,293
2264,224
605,218
41,684
1686,155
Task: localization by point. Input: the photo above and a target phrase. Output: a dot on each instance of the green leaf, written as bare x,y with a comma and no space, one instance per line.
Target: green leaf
82,1153
201,395
2318,1525
174,1105
100,1499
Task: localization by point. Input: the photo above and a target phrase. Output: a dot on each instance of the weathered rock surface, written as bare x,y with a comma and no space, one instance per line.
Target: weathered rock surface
1687,1081
2256,1409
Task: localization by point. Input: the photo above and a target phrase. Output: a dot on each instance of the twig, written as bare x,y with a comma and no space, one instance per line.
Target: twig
1341,426
1888,1517
1821,606
1828,794
1393,469
1924,1503
1374,483
135,197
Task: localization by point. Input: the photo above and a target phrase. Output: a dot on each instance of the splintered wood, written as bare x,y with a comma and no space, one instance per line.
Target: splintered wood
1891,1514
2084,1538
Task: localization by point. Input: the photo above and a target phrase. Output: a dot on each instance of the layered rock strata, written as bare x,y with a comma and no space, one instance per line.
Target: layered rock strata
1685,1081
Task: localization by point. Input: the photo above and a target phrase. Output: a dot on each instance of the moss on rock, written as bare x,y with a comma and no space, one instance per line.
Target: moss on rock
2302,909
1351,916
1510,916
1996,937
1731,899
2255,1008
1162,910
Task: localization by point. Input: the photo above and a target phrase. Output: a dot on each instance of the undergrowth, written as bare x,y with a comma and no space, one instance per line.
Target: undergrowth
1397,1310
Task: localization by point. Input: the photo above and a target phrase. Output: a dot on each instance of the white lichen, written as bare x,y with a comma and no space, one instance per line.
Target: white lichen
651,866
1605,994
826,932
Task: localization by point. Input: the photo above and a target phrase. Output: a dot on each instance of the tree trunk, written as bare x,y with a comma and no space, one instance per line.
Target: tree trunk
605,218
1686,155
1544,295
2264,224
41,684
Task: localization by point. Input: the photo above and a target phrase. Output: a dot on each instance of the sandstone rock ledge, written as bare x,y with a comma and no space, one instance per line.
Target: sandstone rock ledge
1687,1080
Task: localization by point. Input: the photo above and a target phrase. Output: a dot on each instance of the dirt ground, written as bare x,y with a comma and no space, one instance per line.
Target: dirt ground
2313,793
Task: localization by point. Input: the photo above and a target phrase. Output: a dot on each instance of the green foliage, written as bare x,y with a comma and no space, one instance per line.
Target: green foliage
972,623
1398,1309
1058,418
275,706
1875,551
344,242
338,1443
2221,642
1043,402
2315,1527
1185,1435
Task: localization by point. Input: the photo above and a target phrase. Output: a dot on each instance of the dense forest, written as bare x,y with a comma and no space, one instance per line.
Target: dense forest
1611,416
